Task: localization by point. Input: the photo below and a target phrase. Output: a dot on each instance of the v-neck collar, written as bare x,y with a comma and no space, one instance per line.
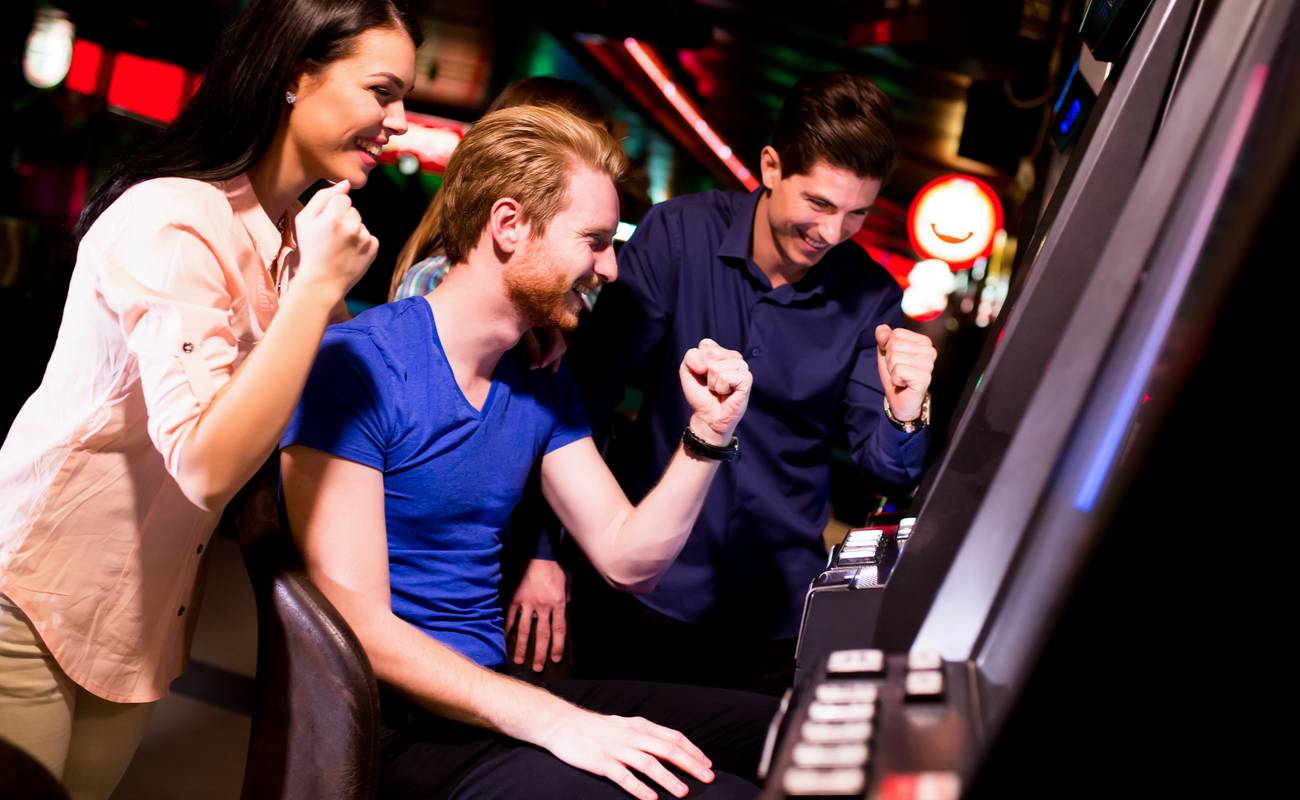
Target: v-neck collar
481,412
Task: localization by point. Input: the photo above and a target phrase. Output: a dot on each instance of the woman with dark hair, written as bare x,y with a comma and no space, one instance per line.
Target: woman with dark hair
194,313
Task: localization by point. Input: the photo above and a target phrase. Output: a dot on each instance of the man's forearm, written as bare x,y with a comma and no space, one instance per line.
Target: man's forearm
240,428
450,685
647,540
632,547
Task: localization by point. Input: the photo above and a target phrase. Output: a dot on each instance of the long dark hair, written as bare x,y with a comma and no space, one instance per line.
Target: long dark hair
233,117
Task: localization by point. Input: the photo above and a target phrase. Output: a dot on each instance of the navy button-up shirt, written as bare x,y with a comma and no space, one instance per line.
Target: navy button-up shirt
687,274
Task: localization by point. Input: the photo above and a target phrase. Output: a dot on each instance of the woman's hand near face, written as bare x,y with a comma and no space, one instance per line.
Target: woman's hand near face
334,246
239,429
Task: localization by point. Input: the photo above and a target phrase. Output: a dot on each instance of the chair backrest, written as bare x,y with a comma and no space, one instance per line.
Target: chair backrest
316,717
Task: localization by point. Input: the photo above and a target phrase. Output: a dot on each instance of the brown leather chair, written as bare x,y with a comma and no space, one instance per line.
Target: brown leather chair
316,716
22,776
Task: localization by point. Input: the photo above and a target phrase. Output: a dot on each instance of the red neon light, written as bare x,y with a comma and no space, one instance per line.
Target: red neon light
704,81
897,266
430,139
87,64
692,117
152,89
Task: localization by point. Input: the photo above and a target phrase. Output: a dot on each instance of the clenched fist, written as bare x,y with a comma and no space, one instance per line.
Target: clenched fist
335,249
906,363
716,382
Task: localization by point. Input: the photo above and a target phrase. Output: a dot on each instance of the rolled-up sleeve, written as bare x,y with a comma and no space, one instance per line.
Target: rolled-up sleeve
172,297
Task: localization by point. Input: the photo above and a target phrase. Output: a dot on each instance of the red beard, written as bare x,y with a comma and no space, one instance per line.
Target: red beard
538,291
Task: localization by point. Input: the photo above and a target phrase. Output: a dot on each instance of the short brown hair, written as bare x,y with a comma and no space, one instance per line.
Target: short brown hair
543,90
840,118
524,152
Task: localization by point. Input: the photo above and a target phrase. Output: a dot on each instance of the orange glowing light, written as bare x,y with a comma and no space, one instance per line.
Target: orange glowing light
954,219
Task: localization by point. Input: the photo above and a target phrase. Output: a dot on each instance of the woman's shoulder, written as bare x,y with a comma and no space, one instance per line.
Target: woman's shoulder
153,207
175,198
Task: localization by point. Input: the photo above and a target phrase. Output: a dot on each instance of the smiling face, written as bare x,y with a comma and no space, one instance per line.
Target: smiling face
345,113
806,215
548,279
954,219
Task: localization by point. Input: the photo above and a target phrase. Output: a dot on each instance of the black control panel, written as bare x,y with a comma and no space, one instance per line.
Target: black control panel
869,724
849,589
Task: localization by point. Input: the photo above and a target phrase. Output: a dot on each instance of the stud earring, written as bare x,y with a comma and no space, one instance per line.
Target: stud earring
290,98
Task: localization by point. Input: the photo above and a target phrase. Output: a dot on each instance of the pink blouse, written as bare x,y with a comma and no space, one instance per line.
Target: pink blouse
174,284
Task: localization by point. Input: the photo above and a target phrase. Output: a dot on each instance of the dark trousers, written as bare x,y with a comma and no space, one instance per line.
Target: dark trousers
616,636
425,756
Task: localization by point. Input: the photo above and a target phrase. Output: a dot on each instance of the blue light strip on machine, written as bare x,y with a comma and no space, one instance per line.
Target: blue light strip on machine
1065,88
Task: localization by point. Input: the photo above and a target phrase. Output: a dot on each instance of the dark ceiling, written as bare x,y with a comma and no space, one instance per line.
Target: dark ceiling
735,60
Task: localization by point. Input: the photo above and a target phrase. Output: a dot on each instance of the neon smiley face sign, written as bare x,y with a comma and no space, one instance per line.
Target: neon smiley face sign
954,219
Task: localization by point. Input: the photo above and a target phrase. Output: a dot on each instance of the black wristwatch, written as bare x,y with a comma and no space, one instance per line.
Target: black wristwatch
702,449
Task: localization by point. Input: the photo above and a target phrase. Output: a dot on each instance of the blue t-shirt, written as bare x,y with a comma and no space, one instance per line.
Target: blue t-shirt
382,394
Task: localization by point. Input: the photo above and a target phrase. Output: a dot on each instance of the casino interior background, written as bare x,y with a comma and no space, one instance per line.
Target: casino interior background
974,90
998,90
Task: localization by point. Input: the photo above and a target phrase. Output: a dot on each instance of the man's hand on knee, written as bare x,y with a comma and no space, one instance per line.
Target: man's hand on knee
613,747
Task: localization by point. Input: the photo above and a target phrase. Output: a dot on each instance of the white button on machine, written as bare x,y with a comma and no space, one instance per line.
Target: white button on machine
800,781
863,536
836,732
848,692
849,662
841,712
924,659
829,755
924,684
859,547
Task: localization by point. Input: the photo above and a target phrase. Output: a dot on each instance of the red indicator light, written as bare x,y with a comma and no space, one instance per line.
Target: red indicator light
87,64
148,88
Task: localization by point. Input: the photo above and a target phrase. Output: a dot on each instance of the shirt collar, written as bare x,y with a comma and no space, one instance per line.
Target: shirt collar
266,236
737,242
738,237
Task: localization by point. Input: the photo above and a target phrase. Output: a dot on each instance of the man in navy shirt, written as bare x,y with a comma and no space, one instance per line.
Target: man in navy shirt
413,442
772,275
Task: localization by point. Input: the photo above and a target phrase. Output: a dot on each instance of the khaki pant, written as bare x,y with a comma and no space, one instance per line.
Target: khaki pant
85,741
